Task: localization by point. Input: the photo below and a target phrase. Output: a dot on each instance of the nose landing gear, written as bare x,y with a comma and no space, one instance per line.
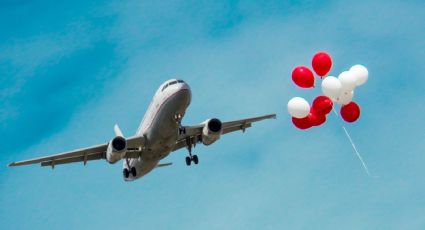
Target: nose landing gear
178,118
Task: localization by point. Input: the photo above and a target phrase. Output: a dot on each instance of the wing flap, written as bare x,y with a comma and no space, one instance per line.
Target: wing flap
235,128
72,160
97,149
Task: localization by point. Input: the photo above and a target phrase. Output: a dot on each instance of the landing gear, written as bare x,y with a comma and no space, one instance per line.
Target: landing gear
195,159
178,118
133,171
126,173
182,130
191,157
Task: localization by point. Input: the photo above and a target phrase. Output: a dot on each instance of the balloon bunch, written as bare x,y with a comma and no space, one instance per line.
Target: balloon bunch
335,89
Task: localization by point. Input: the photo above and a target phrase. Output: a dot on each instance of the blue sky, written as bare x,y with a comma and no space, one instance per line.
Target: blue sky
69,72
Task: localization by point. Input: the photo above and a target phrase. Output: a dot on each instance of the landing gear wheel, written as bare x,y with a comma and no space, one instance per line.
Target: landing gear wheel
126,173
195,159
133,171
188,160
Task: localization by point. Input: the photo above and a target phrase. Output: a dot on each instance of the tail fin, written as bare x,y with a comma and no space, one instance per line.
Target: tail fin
117,131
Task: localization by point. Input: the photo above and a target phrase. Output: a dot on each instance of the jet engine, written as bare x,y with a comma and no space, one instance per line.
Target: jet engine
212,131
116,149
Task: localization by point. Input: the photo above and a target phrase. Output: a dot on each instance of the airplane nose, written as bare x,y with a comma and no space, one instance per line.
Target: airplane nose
186,93
184,86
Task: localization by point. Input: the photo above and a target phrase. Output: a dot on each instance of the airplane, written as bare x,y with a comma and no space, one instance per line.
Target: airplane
159,134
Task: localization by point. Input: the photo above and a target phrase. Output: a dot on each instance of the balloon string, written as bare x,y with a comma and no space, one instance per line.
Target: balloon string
354,147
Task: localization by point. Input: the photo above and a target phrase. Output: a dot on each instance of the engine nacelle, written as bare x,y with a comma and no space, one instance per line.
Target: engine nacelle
212,131
116,149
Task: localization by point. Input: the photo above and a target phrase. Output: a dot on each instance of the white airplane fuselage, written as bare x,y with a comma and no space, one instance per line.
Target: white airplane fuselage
160,126
159,134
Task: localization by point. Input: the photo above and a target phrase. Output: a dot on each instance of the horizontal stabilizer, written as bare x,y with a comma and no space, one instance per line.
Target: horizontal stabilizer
163,165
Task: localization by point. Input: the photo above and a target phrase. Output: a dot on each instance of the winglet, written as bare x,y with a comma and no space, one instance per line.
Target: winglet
117,131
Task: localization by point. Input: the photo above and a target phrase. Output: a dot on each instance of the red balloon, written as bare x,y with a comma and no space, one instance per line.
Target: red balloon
316,119
302,123
322,63
350,112
322,104
303,77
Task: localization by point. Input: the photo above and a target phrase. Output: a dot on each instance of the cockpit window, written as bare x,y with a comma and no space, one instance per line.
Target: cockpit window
165,86
170,83
180,81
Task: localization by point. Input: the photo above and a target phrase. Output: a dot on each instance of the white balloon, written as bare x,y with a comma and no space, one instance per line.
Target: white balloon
298,107
331,87
361,73
348,80
345,97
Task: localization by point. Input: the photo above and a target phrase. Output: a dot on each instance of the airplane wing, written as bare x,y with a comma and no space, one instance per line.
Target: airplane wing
96,152
195,132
